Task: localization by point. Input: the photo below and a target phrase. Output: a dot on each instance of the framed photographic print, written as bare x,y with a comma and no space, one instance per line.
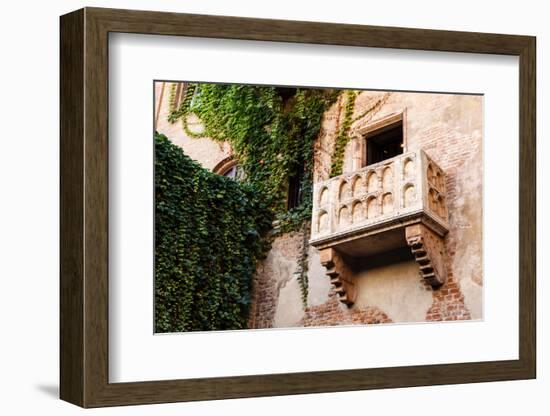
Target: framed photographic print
256,207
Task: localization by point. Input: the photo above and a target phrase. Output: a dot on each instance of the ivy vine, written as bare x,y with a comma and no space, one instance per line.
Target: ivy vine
177,112
343,138
208,238
303,267
272,133
337,161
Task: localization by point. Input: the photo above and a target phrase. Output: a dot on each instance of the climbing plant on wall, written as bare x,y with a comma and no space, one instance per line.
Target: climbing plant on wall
272,132
343,137
270,129
208,238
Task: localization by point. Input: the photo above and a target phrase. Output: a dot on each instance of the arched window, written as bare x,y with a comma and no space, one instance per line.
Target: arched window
232,172
229,168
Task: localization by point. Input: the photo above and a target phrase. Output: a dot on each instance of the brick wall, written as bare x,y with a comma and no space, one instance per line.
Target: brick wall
333,313
448,303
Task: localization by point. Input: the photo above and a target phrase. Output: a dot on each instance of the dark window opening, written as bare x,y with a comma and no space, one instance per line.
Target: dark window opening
294,197
385,143
286,93
232,172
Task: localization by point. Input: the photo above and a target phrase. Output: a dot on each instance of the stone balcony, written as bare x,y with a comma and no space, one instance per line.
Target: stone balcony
399,202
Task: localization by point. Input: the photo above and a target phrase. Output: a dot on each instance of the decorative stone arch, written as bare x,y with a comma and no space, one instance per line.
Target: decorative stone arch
357,186
344,190
439,180
430,173
387,203
323,196
357,211
372,181
436,202
387,178
322,221
226,166
344,215
408,168
372,206
409,195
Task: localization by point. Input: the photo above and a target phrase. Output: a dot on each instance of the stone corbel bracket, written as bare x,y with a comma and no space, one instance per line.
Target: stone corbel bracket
428,249
340,275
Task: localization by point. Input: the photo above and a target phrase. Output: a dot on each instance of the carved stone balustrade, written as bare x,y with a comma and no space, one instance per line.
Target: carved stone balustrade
395,203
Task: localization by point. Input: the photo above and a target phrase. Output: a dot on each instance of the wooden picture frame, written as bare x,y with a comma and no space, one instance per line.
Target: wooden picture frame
84,207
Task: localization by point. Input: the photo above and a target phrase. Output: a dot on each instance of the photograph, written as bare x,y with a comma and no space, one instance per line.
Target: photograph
293,206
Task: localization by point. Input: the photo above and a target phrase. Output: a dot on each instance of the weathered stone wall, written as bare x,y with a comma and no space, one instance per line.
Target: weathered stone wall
204,150
276,291
333,313
449,129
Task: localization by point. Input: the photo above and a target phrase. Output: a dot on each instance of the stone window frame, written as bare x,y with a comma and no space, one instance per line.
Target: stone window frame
362,134
225,165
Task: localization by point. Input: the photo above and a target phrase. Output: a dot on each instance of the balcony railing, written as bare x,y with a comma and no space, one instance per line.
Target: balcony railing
387,192
399,202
